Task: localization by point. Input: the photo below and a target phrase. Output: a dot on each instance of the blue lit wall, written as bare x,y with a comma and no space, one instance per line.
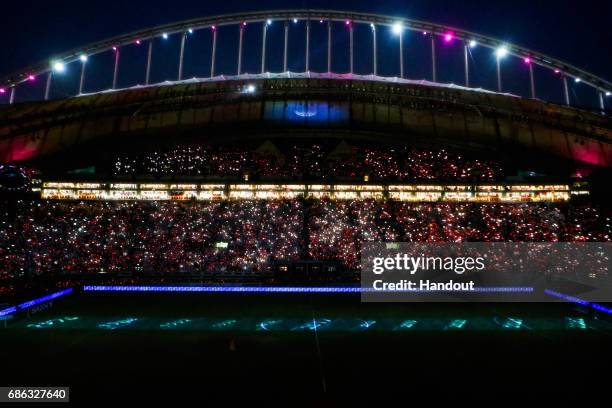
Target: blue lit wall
307,113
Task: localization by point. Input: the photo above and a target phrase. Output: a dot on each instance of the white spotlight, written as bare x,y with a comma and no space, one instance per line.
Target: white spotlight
473,43
165,36
397,28
268,21
501,52
83,58
58,66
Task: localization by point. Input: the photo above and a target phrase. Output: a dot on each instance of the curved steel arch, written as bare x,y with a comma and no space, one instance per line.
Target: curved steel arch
332,15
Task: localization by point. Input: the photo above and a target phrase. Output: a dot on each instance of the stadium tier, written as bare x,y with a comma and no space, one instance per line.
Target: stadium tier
54,238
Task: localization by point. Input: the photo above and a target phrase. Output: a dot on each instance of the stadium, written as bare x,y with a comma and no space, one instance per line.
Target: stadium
207,232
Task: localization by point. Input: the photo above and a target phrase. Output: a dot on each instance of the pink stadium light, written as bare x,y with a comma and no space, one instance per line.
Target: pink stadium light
2,90
114,48
557,71
448,37
347,22
213,27
527,60
31,77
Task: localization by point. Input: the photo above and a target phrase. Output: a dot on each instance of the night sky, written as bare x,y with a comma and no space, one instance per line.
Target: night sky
577,32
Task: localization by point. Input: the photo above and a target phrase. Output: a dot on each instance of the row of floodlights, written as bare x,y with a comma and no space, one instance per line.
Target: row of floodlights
397,28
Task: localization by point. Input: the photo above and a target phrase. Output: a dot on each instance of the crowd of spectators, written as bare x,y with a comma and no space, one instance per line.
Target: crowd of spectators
309,160
45,238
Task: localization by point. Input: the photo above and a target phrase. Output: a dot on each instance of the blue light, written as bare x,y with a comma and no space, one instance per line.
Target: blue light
34,302
601,308
8,311
566,297
579,301
221,289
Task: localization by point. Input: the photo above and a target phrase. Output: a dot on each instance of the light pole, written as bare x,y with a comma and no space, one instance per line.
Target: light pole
214,51
83,59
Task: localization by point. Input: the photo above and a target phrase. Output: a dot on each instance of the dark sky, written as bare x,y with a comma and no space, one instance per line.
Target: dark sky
576,31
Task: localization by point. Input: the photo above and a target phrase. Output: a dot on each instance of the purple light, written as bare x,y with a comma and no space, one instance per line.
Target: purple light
557,71
213,27
244,23
114,48
347,22
137,42
31,77
527,60
424,32
2,90
448,37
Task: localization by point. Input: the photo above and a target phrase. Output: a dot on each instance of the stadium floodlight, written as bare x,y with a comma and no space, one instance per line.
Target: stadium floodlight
2,90
137,42
473,43
527,60
165,36
295,20
501,52
448,37
31,77
268,22
577,80
250,88
190,30
608,93
397,28
59,67
83,58
372,26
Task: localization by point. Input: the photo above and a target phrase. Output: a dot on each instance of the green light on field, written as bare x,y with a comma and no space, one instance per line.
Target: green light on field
316,324
117,323
366,324
575,323
267,324
174,324
224,324
456,324
406,324
52,322
512,323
